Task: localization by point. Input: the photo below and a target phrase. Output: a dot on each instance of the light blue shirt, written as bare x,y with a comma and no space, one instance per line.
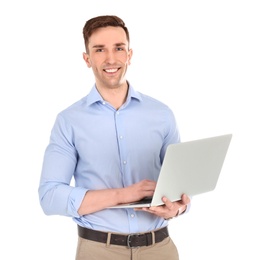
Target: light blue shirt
101,148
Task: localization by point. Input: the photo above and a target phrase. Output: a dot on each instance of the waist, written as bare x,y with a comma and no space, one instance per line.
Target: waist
128,240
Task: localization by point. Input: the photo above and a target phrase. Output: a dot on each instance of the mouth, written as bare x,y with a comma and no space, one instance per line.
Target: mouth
111,71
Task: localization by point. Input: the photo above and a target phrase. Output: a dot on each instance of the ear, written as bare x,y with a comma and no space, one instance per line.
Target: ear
130,54
87,59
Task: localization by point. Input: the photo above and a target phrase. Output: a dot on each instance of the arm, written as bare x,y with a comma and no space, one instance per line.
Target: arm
95,200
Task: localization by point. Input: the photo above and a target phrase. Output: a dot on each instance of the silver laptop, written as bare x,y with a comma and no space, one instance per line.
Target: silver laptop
191,167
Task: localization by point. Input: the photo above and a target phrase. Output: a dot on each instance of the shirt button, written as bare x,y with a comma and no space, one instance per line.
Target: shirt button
124,162
132,215
103,102
121,137
117,112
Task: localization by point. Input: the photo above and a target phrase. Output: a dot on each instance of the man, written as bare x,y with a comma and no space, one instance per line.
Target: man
112,142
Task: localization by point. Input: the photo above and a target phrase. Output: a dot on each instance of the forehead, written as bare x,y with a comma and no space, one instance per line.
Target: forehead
108,36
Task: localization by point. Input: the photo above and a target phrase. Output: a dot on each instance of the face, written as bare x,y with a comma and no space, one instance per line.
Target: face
108,56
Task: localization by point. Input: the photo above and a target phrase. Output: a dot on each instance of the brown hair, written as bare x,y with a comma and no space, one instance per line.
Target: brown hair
102,21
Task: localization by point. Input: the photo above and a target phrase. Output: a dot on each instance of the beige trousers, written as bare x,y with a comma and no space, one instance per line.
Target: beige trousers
90,250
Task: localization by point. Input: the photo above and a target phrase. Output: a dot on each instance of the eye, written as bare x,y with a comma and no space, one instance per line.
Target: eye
99,50
119,49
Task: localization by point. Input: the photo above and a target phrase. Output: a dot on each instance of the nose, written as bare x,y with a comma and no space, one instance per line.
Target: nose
110,57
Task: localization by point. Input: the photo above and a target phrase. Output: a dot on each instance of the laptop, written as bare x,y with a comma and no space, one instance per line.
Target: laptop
191,167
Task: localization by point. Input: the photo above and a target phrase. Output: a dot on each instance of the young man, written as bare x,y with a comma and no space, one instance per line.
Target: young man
112,142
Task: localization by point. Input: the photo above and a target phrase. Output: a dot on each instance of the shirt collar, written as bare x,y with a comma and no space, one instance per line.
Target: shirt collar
94,95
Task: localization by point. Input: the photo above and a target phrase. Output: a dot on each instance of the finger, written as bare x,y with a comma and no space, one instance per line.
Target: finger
167,203
185,200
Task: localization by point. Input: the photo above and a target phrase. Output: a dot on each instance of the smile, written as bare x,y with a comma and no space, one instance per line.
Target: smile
111,70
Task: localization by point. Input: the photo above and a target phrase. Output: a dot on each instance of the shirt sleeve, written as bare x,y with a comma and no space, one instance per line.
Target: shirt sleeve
172,134
56,195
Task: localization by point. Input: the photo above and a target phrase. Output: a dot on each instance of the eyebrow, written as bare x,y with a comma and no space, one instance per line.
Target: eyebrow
97,46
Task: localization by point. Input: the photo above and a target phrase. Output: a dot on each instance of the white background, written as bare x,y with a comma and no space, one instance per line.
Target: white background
202,58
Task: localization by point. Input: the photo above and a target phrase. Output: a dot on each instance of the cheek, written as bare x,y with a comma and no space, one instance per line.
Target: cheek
125,59
92,63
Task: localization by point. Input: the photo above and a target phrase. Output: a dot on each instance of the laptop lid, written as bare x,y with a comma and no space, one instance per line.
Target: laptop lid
191,167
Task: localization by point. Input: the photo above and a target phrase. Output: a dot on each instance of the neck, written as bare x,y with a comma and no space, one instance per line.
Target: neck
115,96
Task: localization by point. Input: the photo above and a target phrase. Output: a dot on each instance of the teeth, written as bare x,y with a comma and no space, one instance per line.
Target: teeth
111,70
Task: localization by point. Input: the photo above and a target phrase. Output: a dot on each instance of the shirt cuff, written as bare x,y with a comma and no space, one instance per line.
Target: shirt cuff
75,200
